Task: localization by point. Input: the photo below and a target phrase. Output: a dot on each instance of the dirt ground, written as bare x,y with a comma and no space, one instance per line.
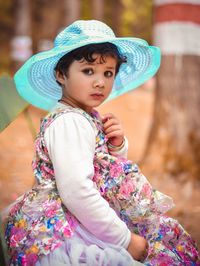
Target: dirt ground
135,112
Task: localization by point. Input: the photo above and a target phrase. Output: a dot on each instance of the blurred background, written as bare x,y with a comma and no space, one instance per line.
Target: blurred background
161,118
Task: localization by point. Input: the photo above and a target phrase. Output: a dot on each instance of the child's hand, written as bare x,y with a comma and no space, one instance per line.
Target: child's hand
138,247
113,129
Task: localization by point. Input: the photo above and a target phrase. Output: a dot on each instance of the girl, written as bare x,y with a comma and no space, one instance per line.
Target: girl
91,206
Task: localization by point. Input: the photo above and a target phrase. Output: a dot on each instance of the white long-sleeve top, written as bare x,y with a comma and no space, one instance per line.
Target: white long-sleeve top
70,141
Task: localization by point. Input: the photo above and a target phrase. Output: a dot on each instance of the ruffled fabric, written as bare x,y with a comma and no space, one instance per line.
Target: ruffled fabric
127,190
86,250
142,208
41,231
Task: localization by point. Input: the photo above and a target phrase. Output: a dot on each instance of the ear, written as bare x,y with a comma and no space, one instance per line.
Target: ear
60,77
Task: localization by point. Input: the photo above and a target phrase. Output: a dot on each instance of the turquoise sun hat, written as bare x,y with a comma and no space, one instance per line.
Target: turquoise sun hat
35,80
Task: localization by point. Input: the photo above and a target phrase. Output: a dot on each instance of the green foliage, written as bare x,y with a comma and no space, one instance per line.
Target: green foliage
126,17
6,29
7,20
6,9
11,104
86,9
137,18
134,18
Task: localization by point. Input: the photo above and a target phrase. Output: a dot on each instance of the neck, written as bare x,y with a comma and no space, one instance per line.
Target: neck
69,102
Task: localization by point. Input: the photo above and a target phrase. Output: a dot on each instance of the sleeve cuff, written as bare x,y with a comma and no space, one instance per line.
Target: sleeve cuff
123,151
128,239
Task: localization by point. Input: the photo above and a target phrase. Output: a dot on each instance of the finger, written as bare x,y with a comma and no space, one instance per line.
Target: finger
111,122
112,128
145,253
107,116
144,256
114,134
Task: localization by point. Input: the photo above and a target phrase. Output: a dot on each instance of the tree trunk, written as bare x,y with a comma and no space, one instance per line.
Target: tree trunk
23,18
98,9
72,11
48,16
175,135
117,10
174,141
21,45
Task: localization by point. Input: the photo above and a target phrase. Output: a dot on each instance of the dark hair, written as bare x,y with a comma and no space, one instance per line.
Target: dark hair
87,52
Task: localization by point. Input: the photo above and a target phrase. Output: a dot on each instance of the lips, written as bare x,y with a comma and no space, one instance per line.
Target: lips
97,96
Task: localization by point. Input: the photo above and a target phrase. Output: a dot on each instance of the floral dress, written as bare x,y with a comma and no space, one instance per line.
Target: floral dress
142,208
39,223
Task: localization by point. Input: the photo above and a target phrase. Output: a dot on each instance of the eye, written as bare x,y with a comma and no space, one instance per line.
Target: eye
108,74
88,71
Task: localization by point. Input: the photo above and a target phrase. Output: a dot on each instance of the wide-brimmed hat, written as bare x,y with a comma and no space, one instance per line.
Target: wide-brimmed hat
35,80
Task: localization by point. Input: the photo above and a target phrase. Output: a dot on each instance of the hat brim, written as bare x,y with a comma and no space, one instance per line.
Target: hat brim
35,80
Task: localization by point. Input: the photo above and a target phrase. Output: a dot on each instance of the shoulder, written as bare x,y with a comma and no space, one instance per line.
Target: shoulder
68,117
70,121
67,133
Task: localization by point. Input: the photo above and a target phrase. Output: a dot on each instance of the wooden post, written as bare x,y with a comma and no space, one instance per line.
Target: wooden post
175,137
21,45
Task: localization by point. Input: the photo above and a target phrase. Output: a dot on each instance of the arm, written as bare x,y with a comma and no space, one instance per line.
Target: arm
122,152
117,142
70,141
118,146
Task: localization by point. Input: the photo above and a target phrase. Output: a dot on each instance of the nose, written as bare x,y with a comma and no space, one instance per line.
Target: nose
99,83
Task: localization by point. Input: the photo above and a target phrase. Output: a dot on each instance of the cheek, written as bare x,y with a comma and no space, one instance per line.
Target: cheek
109,89
74,85
110,84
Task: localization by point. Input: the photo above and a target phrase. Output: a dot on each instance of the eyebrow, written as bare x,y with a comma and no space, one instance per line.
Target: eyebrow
92,64
112,68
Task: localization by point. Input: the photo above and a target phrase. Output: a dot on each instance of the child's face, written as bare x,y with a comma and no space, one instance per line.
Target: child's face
87,84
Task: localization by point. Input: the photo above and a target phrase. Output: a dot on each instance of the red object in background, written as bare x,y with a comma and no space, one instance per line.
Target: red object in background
177,12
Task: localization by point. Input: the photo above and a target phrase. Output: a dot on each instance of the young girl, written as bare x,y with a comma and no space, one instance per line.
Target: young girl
91,206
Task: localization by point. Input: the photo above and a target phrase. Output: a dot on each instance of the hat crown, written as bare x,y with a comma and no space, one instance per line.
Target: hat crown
83,30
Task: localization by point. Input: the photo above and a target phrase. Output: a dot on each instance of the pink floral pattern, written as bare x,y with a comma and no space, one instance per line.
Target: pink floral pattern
143,209
38,223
